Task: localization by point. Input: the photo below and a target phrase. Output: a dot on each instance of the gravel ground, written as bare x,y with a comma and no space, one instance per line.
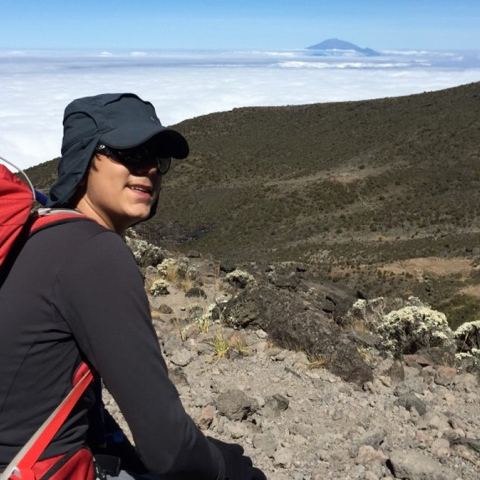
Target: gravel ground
415,420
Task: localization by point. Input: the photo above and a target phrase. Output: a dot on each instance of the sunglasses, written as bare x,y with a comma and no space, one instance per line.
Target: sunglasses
136,157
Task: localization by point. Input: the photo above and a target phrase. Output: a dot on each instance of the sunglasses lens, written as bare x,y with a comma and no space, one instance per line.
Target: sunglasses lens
131,157
163,164
139,157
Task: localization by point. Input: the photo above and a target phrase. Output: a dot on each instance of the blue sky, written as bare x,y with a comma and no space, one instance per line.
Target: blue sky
263,24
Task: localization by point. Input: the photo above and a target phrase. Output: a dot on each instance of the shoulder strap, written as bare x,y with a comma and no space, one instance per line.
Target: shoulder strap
47,216
30,453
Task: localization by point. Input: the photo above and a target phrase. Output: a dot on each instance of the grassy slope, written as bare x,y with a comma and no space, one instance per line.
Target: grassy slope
345,186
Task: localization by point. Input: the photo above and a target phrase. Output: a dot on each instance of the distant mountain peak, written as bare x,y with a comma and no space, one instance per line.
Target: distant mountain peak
335,46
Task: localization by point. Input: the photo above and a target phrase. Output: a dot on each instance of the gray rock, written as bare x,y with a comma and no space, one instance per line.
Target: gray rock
182,358
276,404
266,442
172,343
195,292
410,400
412,465
236,405
282,315
445,375
206,417
437,420
165,309
469,442
414,384
373,439
178,377
396,372
283,458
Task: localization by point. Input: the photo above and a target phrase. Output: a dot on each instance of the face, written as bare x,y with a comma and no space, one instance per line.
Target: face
118,197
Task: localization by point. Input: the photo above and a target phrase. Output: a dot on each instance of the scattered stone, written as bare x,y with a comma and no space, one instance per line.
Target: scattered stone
165,309
409,401
276,404
445,375
178,377
367,454
283,458
417,466
469,442
236,405
396,372
414,384
195,292
440,447
266,442
206,417
302,423
182,358
419,360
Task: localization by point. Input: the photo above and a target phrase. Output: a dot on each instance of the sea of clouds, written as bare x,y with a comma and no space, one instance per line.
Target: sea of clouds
36,86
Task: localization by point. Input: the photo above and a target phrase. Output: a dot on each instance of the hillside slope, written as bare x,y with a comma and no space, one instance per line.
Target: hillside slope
352,187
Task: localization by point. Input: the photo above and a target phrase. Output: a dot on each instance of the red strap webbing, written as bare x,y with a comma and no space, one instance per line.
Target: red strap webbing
20,467
54,218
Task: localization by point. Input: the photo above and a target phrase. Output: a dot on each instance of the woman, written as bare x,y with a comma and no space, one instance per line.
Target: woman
75,293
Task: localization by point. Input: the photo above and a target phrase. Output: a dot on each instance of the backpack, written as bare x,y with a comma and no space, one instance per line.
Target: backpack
16,204
18,219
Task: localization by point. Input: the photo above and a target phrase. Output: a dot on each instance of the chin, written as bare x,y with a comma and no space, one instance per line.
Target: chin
140,214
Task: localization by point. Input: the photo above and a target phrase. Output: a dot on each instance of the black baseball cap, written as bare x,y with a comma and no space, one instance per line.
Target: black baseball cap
117,120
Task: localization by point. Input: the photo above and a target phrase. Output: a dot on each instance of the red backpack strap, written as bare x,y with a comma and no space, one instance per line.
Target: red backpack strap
21,465
46,217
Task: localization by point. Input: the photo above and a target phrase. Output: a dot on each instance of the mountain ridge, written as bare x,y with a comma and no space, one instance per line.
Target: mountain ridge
335,46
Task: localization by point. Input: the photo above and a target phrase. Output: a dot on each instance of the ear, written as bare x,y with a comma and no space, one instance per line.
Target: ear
96,158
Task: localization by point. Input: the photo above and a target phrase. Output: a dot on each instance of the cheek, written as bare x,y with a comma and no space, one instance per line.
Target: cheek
101,189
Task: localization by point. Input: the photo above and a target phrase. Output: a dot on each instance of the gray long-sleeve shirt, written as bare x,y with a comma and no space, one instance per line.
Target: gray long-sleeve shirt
75,291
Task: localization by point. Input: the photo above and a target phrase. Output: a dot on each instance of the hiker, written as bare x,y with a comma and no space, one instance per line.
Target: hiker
74,293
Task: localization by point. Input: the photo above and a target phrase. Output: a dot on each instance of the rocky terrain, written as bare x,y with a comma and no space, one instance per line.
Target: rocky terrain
313,381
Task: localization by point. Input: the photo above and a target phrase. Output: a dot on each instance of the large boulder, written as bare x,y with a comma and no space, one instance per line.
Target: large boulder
296,319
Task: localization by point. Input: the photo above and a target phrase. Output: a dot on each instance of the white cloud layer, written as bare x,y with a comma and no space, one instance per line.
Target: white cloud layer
36,86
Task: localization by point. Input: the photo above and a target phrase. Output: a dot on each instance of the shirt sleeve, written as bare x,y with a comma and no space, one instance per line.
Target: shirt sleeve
100,294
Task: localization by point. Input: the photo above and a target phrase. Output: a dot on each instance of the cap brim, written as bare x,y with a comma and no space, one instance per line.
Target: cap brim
129,136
